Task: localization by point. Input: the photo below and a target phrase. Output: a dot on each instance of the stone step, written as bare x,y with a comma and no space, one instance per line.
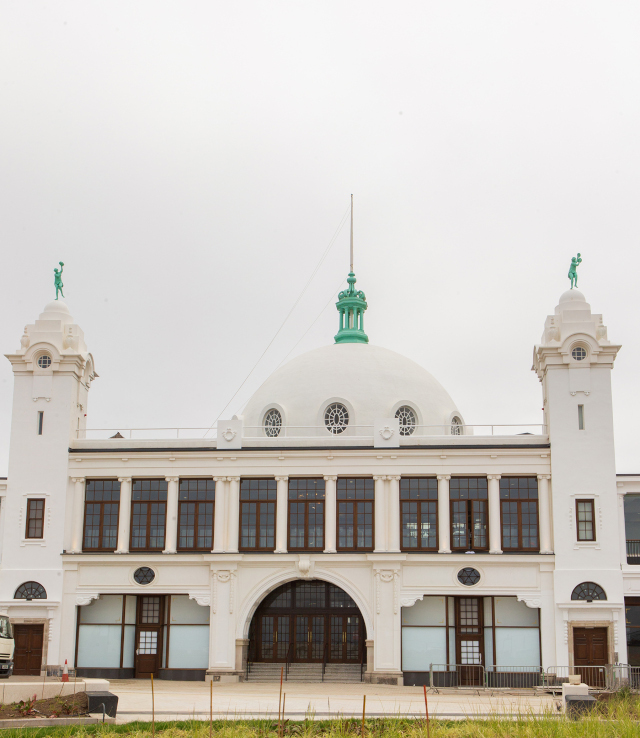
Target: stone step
270,672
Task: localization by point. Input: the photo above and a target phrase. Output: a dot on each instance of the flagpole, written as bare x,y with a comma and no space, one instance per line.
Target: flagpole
351,249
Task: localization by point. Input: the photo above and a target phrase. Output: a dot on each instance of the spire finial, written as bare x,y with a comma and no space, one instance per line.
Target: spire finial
351,241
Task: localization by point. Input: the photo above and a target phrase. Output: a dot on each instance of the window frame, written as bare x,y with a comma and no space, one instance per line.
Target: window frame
519,500
259,513
469,515
307,502
354,502
419,548
147,548
592,503
27,535
197,504
102,503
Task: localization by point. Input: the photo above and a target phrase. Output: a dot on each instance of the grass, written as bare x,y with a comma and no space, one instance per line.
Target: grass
617,718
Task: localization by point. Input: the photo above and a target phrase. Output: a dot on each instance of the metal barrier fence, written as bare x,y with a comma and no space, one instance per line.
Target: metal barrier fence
607,677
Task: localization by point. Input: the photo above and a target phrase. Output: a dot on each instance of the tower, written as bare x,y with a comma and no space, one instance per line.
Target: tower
52,375
574,362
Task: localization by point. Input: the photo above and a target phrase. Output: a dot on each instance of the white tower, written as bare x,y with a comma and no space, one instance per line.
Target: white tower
574,363
52,375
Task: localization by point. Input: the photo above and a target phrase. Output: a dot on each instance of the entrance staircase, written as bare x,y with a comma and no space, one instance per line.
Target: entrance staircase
270,672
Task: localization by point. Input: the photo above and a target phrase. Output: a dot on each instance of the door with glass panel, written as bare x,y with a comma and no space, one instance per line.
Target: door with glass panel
345,640
310,632
274,637
469,640
148,653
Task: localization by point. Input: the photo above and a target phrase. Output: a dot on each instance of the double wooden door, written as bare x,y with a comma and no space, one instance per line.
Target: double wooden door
27,659
590,655
310,638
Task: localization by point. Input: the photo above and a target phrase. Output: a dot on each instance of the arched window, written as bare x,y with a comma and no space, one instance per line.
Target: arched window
588,591
407,420
30,591
336,418
456,426
272,423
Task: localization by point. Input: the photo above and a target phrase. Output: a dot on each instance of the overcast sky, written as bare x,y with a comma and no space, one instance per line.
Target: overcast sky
191,161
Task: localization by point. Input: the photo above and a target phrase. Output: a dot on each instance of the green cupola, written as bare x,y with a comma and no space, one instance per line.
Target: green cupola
351,306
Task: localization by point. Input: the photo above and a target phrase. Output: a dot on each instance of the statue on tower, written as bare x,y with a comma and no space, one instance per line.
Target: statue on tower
573,270
58,279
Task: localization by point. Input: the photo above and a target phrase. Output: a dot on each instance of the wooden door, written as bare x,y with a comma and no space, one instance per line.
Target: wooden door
469,640
309,634
345,642
148,651
590,654
274,637
28,649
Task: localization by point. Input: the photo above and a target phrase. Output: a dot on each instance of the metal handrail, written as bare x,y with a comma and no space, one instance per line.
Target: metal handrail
325,656
362,662
287,662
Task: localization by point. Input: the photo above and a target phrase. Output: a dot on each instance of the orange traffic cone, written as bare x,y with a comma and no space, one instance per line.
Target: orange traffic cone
65,672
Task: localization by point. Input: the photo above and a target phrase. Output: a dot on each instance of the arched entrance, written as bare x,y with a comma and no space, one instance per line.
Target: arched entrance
307,621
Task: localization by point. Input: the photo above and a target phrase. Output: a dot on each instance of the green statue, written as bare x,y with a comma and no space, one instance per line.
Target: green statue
573,271
58,279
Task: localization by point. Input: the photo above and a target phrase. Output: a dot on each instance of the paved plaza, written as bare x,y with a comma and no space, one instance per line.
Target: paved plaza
184,700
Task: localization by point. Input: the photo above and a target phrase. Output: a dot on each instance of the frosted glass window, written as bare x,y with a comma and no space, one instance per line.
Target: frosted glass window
128,654
488,616
422,647
99,646
184,610
130,609
189,647
517,647
488,647
428,611
511,612
107,609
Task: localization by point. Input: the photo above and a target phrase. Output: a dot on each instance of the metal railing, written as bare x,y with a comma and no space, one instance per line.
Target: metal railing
633,550
287,662
352,432
607,677
362,663
325,656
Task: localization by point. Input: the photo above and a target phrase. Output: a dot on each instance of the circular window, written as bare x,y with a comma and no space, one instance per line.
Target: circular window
336,418
588,591
407,419
144,575
579,353
44,361
468,576
272,423
30,591
456,427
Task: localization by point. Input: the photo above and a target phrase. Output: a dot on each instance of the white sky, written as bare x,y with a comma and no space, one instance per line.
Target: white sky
190,162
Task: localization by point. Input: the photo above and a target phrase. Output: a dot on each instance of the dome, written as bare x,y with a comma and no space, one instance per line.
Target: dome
371,382
56,310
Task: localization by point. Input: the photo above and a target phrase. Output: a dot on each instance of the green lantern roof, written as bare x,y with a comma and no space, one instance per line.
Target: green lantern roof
351,306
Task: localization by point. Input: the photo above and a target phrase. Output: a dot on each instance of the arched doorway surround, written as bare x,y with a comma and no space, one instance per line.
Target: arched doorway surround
307,621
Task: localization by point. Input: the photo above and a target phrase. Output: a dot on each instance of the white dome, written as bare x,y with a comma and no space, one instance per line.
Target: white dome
372,382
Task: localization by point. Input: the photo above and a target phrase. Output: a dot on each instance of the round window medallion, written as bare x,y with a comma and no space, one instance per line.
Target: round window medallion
44,361
144,575
579,353
272,423
407,420
336,418
468,576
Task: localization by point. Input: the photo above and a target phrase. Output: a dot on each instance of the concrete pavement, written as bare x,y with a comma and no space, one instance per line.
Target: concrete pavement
185,700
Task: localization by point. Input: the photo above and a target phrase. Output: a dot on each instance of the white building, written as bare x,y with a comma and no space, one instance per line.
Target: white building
350,520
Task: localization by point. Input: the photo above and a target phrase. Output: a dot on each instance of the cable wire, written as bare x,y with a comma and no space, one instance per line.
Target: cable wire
295,304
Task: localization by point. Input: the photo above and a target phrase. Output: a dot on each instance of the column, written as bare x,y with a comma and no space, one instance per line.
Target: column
380,516
330,514
282,510
219,519
544,513
171,528
233,515
495,538
78,515
124,515
394,514
444,526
